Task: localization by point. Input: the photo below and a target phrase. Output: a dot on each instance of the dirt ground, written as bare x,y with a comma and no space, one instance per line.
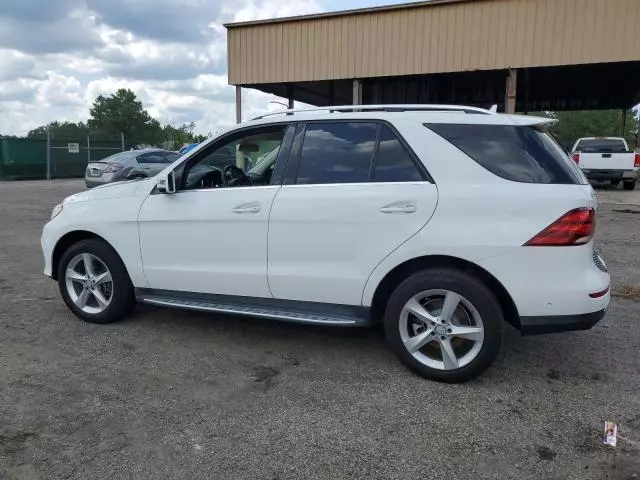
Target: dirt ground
177,395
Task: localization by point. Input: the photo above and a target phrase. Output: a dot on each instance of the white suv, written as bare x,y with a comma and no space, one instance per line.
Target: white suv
442,222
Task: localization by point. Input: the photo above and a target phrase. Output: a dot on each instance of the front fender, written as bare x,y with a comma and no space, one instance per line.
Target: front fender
111,219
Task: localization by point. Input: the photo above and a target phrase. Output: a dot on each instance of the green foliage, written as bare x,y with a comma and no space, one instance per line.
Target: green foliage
593,123
62,130
122,112
182,135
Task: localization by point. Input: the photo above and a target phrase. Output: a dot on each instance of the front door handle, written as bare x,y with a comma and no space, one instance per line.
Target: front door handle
247,208
399,207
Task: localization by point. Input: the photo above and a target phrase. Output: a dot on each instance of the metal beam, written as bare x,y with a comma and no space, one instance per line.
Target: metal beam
357,91
238,104
510,91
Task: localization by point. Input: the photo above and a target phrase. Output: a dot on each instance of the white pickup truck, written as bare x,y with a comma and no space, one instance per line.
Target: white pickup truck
607,159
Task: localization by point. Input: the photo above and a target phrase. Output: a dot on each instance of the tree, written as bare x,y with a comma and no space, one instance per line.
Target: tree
594,123
122,112
61,130
176,137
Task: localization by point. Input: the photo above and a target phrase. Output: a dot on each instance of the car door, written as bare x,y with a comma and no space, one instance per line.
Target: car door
353,193
211,236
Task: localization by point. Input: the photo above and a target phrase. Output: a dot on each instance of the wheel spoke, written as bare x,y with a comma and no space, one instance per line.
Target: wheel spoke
103,278
82,298
88,264
75,276
451,301
413,344
449,358
102,302
417,310
470,333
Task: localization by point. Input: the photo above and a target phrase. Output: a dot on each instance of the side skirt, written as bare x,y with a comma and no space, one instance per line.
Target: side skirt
284,310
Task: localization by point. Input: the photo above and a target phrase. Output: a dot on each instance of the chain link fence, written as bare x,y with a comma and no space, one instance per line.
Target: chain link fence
53,156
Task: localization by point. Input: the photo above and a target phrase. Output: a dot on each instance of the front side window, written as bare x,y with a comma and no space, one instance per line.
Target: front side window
517,153
231,163
338,152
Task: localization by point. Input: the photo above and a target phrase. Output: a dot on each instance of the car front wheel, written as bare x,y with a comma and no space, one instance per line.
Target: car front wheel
444,324
629,185
94,282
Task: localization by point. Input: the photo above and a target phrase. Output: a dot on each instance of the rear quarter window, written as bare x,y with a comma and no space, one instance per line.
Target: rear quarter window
518,153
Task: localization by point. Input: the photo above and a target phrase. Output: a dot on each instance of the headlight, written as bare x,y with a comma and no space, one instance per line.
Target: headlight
56,211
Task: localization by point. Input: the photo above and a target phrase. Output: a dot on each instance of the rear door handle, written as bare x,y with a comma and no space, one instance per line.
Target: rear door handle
247,208
399,207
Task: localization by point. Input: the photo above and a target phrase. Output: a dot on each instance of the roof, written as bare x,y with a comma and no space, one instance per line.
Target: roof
435,37
341,13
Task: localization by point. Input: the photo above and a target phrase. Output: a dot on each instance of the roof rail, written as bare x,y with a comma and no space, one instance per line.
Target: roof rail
381,108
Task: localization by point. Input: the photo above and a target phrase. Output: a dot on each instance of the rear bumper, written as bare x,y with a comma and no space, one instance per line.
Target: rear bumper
607,175
559,323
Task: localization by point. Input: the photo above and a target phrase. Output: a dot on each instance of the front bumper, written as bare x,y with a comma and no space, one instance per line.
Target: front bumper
559,323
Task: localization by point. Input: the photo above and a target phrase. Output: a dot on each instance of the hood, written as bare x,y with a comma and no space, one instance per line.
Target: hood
110,190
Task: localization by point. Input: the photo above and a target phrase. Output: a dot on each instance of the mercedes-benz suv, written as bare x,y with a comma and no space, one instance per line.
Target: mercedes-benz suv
441,222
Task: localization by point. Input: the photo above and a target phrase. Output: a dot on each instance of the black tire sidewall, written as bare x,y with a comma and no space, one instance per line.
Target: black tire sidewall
469,287
122,297
629,185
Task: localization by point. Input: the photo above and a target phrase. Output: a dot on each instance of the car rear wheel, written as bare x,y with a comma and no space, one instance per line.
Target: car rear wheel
629,185
94,282
444,324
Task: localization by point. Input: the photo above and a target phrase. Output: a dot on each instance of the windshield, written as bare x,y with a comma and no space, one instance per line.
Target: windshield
601,145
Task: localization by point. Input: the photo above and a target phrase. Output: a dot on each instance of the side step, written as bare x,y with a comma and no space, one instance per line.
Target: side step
283,310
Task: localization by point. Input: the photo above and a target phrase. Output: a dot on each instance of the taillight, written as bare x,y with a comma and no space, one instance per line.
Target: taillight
636,163
576,157
113,167
573,228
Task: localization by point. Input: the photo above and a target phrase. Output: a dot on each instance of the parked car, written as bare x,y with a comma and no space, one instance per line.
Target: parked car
607,159
187,148
129,165
441,222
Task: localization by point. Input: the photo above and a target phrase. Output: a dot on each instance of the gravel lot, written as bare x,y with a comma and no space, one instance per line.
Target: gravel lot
168,394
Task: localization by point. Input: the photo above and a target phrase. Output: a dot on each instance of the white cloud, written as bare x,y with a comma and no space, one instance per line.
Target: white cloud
56,57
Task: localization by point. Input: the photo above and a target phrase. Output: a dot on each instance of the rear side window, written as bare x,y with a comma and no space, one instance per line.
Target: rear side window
153,157
339,152
171,157
520,154
393,162
601,145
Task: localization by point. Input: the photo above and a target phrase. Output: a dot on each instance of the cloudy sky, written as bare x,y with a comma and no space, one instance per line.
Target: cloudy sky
57,56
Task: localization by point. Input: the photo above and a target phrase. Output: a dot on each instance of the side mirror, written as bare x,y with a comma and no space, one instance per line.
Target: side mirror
167,182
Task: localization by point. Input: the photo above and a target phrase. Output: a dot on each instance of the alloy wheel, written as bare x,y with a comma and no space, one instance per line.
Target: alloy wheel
441,329
89,283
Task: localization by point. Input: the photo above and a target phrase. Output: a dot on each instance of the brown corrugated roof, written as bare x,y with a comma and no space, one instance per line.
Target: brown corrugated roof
356,11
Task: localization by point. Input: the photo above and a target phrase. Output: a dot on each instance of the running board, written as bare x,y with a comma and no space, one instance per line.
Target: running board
282,310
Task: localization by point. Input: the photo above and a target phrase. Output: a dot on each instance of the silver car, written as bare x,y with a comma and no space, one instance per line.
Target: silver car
130,165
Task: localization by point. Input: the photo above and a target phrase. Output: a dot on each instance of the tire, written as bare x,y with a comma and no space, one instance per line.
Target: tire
474,300
138,177
615,182
117,296
629,185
